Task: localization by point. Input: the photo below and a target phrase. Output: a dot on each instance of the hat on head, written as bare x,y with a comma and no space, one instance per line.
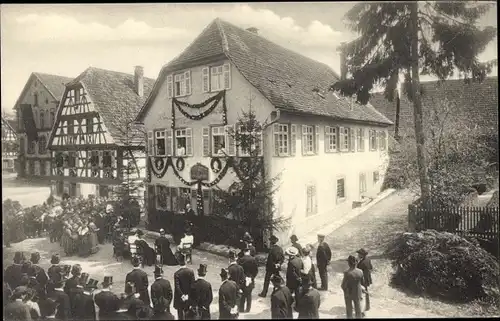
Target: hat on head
18,257
321,235
76,270
306,280
273,239
292,251
276,279
108,280
223,273
20,290
294,238
55,259
35,257
158,270
362,252
135,261
202,270
143,312
92,284
307,249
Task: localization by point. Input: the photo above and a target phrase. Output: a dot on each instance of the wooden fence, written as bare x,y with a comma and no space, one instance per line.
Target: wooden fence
480,222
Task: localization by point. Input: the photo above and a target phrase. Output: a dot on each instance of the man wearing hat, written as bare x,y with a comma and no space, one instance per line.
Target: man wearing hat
53,272
14,271
72,282
162,246
106,300
16,309
228,297
247,243
308,301
250,269
82,302
184,279
140,279
365,265
161,288
281,299
323,257
352,286
50,309
201,295
295,243
40,274
236,274
58,295
293,271
275,259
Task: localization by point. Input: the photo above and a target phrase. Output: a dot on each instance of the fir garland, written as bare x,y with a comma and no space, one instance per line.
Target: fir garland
201,115
203,104
222,174
215,99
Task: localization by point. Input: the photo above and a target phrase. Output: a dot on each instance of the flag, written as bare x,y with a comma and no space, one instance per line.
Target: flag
29,123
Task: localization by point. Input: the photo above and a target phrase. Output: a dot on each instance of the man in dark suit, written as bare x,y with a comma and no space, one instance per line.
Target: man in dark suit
184,279
365,265
236,274
40,274
100,222
323,257
281,300
106,300
162,246
16,309
62,299
140,279
295,243
53,272
161,288
50,307
73,281
352,287
228,296
13,272
201,295
247,243
275,259
250,268
82,302
309,300
293,271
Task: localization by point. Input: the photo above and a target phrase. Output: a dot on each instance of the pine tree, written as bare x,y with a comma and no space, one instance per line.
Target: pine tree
412,39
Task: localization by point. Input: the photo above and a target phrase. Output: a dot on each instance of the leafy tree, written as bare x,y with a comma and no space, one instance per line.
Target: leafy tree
412,39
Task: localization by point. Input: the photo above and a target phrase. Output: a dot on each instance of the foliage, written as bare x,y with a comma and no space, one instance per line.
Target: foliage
250,199
10,208
445,265
127,196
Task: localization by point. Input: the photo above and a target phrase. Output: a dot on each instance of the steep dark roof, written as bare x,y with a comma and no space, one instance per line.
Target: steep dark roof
287,79
114,97
477,102
10,123
53,83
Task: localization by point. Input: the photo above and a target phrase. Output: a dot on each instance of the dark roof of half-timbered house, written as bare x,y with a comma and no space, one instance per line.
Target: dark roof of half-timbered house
54,84
289,80
115,99
12,124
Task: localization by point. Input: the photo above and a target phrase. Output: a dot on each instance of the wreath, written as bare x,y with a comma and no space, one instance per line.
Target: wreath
179,164
159,163
215,165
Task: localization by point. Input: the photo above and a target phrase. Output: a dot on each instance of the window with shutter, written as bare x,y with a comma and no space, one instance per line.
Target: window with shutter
293,139
187,82
219,141
159,143
227,76
189,142
361,139
150,143
276,143
316,142
231,144
304,139
206,141
169,148
352,133
205,80
170,86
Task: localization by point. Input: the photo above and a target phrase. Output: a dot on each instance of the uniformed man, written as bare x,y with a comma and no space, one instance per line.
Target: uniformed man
281,299
161,288
309,300
250,268
352,286
201,295
76,293
228,297
323,257
184,279
293,274
106,300
58,295
53,272
140,279
72,282
40,274
295,243
275,259
14,272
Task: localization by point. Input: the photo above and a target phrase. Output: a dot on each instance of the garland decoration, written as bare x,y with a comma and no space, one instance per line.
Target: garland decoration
214,99
221,175
180,164
176,173
215,165
159,173
218,96
200,115
199,200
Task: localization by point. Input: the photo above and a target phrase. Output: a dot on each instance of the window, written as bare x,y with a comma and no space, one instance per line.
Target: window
218,140
162,197
373,140
361,139
42,119
71,127
184,198
344,138
308,140
181,84
330,139
362,183
375,177
352,139
281,137
216,78
252,141
94,159
107,159
175,199
183,142
312,205
36,99
42,144
340,189
382,143
72,159
52,117
160,143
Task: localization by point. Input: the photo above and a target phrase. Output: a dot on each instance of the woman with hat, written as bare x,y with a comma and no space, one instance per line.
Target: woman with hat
162,245
293,271
201,295
281,299
309,268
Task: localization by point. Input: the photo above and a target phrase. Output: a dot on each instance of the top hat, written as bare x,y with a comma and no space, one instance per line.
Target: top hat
362,252
158,270
292,251
18,257
55,259
202,270
108,280
84,277
294,238
223,273
276,278
35,257
92,284
273,239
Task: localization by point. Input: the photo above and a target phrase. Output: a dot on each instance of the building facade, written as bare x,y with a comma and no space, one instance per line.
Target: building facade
9,146
95,146
36,110
330,153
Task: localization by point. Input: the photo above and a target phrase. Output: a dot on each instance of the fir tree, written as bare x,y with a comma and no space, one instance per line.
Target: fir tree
412,39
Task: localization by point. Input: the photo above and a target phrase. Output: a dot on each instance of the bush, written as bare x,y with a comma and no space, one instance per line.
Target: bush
445,265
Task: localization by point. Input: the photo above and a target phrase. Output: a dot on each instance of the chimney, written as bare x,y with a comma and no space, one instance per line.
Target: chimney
343,66
253,30
139,80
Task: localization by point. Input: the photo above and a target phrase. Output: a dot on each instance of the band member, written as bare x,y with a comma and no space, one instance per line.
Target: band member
281,299
352,287
250,268
17,309
54,272
64,308
140,279
184,279
13,272
50,307
40,274
161,288
295,243
72,282
162,246
323,257
106,300
275,259
201,295
308,301
365,265
228,297
82,305
293,274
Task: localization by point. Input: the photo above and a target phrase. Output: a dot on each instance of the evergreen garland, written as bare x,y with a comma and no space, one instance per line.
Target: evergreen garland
215,99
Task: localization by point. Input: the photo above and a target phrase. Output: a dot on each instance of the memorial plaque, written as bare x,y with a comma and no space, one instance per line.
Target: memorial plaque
199,172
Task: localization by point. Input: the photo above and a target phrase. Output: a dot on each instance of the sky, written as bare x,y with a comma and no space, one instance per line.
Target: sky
66,39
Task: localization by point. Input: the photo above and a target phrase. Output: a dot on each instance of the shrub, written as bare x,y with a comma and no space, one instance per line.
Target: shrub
445,265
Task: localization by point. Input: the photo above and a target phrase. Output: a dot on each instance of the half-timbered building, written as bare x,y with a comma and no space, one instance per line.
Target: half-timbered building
36,110
9,145
95,145
331,152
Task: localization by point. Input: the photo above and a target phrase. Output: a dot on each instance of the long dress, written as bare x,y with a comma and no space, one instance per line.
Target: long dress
68,242
84,244
93,238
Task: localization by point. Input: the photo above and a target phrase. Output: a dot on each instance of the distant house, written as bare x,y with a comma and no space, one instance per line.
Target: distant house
36,109
477,103
9,145
93,138
330,151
